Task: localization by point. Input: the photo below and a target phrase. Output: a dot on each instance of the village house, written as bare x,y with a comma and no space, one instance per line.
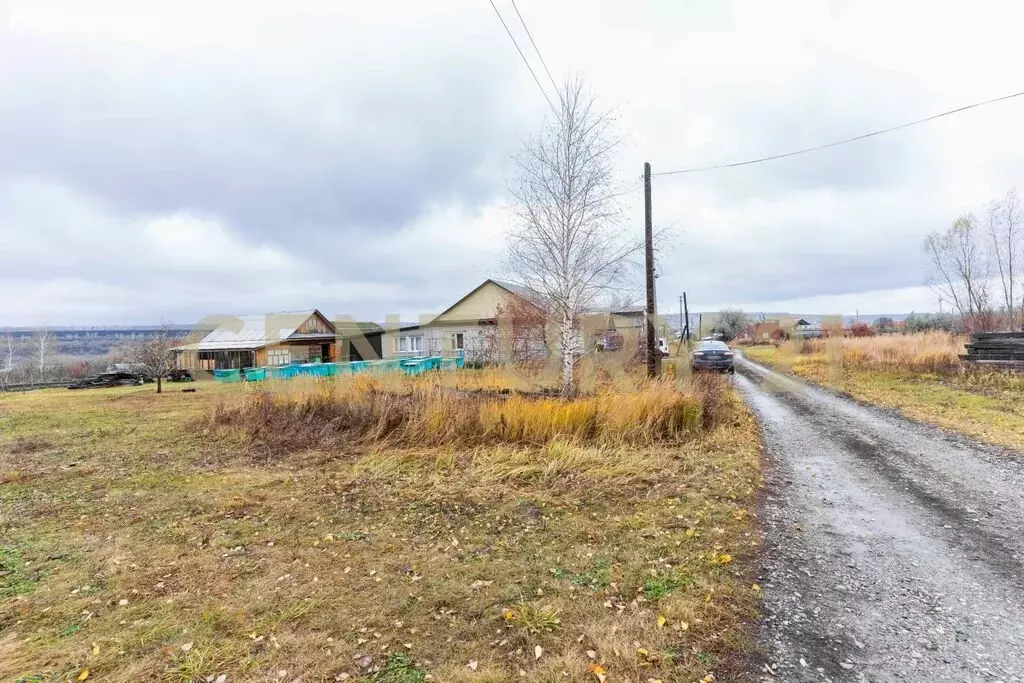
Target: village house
763,332
470,326
806,330
495,320
279,339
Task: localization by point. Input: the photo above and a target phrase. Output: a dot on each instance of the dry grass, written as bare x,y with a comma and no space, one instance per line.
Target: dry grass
436,411
141,547
918,375
929,352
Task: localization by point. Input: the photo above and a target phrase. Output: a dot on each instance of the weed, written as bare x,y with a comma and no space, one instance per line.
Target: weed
531,618
598,576
70,630
14,579
399,668
661,585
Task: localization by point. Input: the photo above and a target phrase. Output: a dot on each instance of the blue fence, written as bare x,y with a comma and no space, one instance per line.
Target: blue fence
410,366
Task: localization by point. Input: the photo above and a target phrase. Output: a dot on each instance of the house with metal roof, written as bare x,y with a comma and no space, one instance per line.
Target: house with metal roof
279,339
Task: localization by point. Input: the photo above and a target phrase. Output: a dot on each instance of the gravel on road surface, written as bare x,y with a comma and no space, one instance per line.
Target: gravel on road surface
893,550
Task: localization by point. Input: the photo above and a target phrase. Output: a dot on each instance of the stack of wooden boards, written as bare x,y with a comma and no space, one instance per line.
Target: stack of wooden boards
1000,349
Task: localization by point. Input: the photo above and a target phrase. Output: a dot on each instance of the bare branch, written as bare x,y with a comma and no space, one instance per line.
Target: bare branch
567,243
959,270
157,354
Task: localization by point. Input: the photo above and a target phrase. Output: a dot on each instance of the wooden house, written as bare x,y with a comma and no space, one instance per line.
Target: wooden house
279,339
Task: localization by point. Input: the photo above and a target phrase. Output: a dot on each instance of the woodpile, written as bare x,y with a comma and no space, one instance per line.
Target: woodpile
998,349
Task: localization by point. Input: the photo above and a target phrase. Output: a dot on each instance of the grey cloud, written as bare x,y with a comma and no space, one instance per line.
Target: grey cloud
838,99
296,144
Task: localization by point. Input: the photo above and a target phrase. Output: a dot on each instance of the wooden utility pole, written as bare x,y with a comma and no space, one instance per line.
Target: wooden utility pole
652,311
686,309
700,326
682,329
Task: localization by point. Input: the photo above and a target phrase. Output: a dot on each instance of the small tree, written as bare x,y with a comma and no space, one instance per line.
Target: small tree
7,370
1006,234
927,322
861,329
959,269
41,344
731,321
566,243
156,355
522,329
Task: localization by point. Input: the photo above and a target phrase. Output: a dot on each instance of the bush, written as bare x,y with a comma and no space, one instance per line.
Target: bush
930,322
862,330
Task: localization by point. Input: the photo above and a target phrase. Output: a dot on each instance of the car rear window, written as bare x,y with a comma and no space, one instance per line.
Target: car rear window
712,346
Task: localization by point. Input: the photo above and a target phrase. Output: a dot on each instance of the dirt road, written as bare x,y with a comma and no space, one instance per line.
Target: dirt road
894,551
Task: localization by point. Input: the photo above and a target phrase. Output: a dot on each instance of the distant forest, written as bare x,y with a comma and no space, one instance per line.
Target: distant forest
82,342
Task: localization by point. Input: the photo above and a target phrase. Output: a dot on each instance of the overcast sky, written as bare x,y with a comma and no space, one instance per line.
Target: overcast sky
171,160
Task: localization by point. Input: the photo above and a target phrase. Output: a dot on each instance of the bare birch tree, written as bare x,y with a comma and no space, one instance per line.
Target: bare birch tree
41,342
567,244
959,269
1006,232
7,371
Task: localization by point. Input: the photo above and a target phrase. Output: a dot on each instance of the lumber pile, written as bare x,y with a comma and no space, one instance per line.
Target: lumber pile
999,349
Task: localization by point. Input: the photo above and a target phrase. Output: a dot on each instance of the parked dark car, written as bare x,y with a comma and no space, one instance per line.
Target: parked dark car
180,375
713,355
109,379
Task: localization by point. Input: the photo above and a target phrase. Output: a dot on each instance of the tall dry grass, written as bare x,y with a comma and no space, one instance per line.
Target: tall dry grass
927,352
397,411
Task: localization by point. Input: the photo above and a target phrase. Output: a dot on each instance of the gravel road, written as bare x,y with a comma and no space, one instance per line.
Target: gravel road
894,550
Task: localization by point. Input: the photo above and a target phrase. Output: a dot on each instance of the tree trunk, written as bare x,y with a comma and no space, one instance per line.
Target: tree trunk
568,342
159,388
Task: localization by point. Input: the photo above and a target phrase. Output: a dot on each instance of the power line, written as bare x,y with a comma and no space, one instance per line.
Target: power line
536,49
525,61
840,142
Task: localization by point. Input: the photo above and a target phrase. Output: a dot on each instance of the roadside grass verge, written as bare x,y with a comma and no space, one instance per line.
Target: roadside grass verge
983,404
144,540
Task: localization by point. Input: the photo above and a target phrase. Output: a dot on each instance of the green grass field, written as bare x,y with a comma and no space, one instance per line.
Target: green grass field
142,542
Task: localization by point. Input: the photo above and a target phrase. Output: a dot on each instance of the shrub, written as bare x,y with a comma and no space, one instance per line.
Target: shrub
929,322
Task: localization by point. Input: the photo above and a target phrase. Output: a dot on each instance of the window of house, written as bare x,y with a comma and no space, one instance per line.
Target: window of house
459,341
410,343
279,357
